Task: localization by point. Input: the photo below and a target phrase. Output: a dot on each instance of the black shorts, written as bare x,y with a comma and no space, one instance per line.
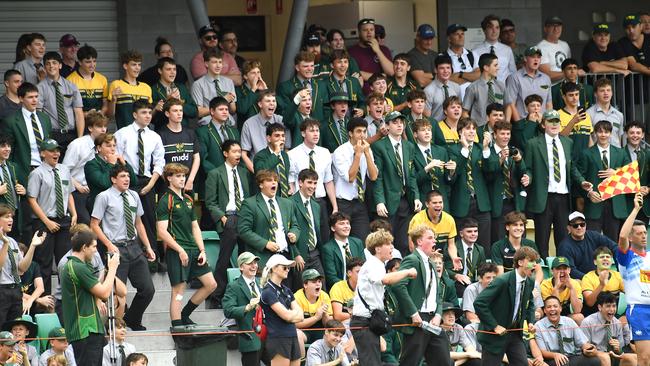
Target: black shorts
287,347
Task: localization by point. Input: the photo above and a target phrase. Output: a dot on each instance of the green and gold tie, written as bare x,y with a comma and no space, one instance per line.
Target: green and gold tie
217,88
470,178
12,261
61,117
605,160
445,88
342,131
358,182
235,183
128,218
312,164
282,172
274,221
505,170
434,178
491,97
140,152
311,239
38,134
9,196
556,163
58,191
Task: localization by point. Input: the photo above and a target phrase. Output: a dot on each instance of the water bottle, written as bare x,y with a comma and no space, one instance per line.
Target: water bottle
431,328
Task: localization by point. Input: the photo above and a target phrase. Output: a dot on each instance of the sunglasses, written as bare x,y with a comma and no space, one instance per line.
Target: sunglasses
286,268
210,38
578,224
462,63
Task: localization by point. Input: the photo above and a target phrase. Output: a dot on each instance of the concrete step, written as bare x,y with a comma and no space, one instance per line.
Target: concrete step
160,281
159,320
167,358
161,299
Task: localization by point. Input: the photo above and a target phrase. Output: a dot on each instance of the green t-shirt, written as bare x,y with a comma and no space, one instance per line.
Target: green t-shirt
182,216
503,252
80,313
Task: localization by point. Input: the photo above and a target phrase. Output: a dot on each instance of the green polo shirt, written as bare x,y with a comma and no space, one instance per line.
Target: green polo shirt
180,216
397,93
80,313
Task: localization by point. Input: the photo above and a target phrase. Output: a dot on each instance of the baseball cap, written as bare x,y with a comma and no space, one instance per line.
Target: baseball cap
393,115
576,215
600,28
426,31
532,50
551,115
277,260
49,145
554,20
56,333
68,40
246,258
339,97
452,28
507,23
310,274
205,30
631,19
7,339
312,39
560,261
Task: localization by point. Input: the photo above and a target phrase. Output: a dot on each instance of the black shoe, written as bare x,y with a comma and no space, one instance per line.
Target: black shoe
153,267
213,303
162,267
187,321
136,327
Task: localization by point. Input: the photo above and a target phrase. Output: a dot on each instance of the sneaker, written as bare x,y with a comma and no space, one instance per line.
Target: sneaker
162,267
187,321
153,267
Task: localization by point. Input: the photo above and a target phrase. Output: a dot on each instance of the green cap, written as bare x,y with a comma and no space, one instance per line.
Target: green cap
532,50
551,115
600,28
49,145
393,115
560,261
631,19
7,339
310,274
339,97
246,258
56,333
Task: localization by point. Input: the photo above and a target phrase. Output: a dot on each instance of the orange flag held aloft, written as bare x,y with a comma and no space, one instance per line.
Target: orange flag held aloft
625,180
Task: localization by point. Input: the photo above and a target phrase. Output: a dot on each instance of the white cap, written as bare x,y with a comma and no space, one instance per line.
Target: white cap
278,259
576,215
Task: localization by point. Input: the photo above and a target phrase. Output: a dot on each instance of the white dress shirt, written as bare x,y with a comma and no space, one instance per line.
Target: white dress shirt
80,151
553,186
520,283
341,245
393,142
232,206
370,286
504,54
280,235
342,160
429,305
35,155
299,160
127,146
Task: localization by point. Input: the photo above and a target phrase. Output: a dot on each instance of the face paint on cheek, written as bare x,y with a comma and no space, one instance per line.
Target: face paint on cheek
601,265
530,265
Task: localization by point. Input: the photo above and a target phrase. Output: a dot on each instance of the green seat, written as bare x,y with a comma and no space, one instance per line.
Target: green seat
212,247
233,274
233,257
549,261
46,322
622,304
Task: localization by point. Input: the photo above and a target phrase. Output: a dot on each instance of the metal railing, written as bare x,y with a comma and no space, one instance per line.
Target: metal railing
630,93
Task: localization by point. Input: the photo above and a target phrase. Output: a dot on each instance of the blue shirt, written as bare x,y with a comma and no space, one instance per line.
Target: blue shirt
581,253
276,326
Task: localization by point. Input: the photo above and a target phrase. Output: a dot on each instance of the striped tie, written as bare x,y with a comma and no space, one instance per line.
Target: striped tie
128,218
358,182
470,178
445,88
312,165
9,196
217,88
61,117
556,163
12,261
274,221
311,240
58,191
605,160
469,264
37,130
284,183
491,97
505,169
608,334
432,172
235,182
342,131
140,152
400,167
348,253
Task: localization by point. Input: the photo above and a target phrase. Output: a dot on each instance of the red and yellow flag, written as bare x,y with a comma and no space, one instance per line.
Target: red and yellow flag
625,180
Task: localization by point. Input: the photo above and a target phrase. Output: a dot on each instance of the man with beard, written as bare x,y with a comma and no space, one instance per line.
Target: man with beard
312,44
228,43
208,39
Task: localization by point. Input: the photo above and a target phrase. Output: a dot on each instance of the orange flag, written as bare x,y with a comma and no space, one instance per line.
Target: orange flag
625,180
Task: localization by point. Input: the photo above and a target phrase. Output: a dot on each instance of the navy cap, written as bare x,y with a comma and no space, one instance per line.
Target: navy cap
452,28
426,31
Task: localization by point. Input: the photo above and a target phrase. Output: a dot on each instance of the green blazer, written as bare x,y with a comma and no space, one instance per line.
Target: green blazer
302,247
478,257
389,183
265,159
254,223
495,184
410,292
234,301
16,127
217,192
589,164
12,182
448,289
496,306
643,158
408,127
524,130
210,145
354,91
293,121
537,169
425,180
329,133
190,110
586,95
246,104
98,178
460,197
287,89
333,260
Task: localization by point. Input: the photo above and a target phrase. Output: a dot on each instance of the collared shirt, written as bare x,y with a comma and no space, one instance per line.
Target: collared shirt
69,356
27,68
458,337
5,166
595,330
253,282
572,336
6,277
106,358
80,151
606,150
553,186
95,262
597,113
467,249
342,159
435,94
504,54
399,151
41,186
154,152
520,283
342,245
34,152
476,98
71,100
370,286
253,134
373,128
299,158
232,206
462,63
429,304
320,353
465,152
633,152
470,294
307,202
109,209
204,90
280,234
520,85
